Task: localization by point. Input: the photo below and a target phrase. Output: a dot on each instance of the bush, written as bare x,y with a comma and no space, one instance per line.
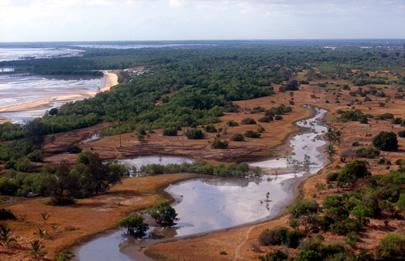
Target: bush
369,153
232,123
219,144
195,134
276,236
291,86
391,247
24,165
386,141
135,225
274,256
353,171
170,131
210,129
163,214
266,119
6,214
248,121
252,134
332,176
303,207
345,226
237,137
401,133
35,156
74,149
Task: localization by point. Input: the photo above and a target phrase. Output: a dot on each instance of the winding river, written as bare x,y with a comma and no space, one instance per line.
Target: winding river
208,204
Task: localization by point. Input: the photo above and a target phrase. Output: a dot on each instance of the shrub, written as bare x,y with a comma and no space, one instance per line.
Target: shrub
401,133
303,207
369,153
6,214
35,156
332,176
345,226
171,131
391,247
237,137
232,123
24,165
278,117
195,134
135,225
248,121
397,121
74,149
386,141
210,129
353,171
252,134
291,86
276,236
266,119
163,214
219,144
274,256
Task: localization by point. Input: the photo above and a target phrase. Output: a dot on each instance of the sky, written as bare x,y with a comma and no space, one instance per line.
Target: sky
109,20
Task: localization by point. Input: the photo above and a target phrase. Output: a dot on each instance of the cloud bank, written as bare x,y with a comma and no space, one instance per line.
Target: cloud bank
60,20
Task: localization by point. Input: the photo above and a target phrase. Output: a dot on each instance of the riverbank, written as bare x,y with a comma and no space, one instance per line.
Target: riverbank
242,243
70,225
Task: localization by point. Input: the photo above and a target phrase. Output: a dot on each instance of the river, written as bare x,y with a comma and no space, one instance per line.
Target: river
208,204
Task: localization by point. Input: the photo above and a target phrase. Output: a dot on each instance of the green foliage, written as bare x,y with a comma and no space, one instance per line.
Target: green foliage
237,137
386,141
217,143
252,134
369,153
210,129
353,115
195,134
303,207
232,123
401,133
291,86
274,256
353,171
202,167
5,236
135,225
171,131
391,247
247,121
163,214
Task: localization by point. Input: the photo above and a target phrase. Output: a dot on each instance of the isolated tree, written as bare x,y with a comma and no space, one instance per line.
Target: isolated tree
164,214
386,141
135,225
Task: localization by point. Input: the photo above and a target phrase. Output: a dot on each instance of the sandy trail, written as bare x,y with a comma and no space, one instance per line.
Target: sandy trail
110,80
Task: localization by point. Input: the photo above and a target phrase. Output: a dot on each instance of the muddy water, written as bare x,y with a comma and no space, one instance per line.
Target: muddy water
209,204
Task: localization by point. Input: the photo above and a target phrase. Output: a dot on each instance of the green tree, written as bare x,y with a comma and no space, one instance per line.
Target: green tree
386,141
135,225
164,214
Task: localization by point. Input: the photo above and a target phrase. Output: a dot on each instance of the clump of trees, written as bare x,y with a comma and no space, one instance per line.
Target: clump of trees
291,86
203,167
88,177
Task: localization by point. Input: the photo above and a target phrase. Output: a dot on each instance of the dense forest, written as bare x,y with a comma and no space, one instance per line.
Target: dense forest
188,86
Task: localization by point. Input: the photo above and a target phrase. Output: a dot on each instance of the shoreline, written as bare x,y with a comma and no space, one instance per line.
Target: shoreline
110,79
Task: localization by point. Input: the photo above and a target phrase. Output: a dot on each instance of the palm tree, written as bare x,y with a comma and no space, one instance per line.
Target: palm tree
37,250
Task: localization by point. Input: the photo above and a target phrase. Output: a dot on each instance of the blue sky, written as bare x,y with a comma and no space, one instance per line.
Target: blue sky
75,20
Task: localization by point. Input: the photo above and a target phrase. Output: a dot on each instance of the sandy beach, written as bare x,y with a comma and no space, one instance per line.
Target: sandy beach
110,80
